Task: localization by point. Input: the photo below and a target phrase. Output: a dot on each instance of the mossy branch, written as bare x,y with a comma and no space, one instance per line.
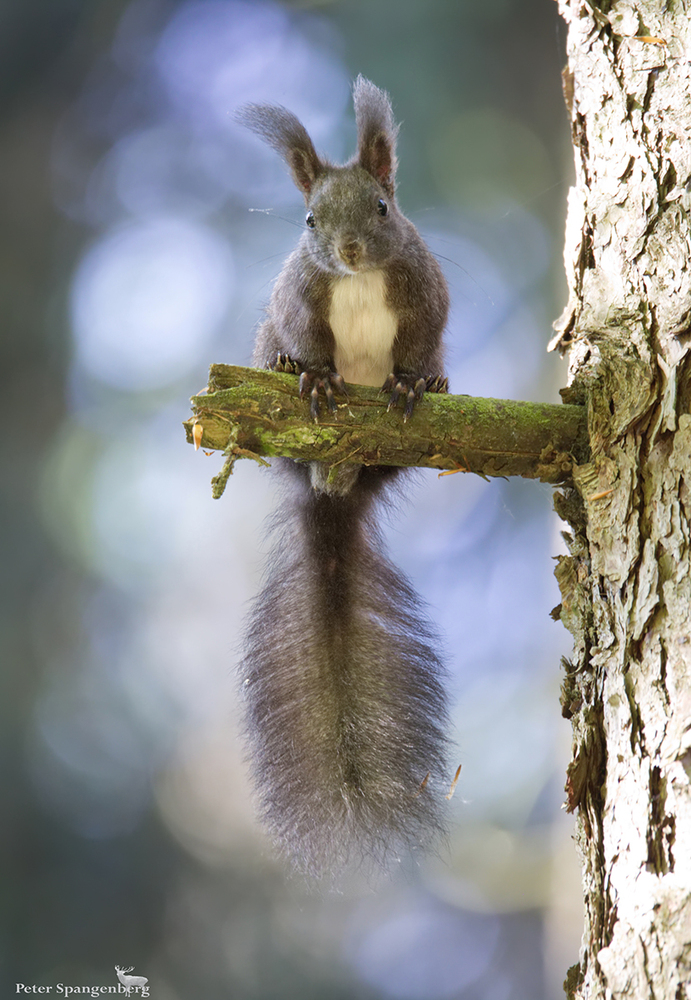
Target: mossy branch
250,413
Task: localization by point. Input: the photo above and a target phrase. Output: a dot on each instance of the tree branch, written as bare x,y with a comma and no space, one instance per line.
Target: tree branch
247,412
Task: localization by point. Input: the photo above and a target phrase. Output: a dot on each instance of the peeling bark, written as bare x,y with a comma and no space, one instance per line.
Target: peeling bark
626,586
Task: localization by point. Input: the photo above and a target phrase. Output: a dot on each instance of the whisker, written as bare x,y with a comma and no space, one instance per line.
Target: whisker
449,260
264,260
531,201
270,212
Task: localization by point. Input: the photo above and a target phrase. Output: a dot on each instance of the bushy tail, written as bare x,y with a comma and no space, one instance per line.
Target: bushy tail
346,714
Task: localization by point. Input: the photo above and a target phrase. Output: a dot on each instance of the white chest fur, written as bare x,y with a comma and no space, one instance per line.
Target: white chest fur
364,328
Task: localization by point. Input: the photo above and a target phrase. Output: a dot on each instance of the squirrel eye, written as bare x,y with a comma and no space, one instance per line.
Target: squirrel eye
309,219
382,207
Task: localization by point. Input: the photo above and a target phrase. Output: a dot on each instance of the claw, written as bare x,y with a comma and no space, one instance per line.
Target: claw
437,383
395,393
312,382
409,404
330,399
338,382
314,401
413,387
284,363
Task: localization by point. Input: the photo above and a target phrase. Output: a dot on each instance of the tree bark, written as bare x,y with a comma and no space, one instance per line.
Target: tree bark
251,413
626,586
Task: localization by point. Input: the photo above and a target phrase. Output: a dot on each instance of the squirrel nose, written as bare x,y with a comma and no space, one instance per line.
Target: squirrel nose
350,252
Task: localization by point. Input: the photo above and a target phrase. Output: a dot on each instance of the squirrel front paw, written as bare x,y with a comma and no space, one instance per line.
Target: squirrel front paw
312,381
412,387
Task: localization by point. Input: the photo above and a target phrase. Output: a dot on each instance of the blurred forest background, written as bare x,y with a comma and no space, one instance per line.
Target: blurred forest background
136,248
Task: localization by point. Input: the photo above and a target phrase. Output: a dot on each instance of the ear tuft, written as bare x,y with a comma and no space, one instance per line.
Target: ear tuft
376,131
288,136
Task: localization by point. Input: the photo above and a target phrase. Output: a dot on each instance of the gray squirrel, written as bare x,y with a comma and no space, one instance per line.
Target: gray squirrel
345,708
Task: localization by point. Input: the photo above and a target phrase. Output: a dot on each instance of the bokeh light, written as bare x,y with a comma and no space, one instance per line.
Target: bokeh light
150,255
147,299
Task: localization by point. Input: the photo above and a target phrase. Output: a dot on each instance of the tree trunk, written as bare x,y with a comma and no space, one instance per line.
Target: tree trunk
626,587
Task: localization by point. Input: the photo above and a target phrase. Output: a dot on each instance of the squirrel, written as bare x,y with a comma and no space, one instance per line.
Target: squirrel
346,713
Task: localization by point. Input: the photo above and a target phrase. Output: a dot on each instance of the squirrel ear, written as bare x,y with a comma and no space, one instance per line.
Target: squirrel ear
376,131
288,136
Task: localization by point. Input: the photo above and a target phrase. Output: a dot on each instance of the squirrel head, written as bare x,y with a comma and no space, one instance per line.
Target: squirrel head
352,221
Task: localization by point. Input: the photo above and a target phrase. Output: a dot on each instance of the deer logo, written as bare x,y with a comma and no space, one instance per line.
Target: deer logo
130,981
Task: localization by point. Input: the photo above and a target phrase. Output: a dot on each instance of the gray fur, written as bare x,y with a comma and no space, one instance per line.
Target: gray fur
345,707
288,136
377,132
